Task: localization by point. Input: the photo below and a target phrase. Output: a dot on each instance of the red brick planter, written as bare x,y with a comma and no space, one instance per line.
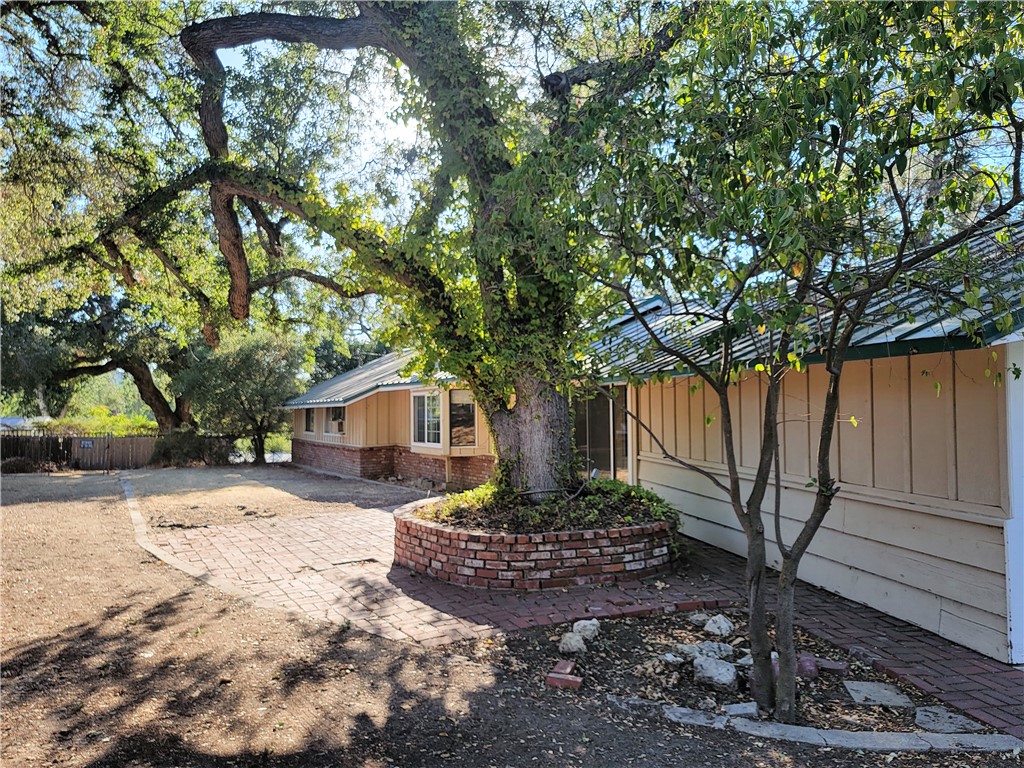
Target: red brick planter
530,561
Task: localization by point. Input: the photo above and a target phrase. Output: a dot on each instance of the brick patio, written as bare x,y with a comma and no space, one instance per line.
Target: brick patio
339,567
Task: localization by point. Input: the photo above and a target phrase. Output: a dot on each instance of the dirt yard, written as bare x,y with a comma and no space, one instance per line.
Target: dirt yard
112,658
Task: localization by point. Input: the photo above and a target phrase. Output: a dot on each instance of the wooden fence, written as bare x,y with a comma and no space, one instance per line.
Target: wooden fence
79,451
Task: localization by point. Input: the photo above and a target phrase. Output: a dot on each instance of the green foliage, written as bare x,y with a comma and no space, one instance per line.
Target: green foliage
602,503
113,393
238,389
785,158
330,361
185,448
276,442
99,420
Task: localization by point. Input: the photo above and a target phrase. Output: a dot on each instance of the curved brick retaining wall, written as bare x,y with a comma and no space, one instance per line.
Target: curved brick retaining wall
530,561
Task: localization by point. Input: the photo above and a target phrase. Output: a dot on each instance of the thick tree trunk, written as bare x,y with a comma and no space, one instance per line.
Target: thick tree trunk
167,418
533,439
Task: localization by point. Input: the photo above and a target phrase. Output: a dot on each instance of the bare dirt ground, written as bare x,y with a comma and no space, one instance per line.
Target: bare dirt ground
111,658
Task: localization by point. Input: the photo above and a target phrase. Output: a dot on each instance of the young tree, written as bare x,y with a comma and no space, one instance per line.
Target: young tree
239,388
796,170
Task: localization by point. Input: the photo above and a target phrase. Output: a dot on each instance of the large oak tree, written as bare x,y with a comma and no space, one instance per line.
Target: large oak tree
464,232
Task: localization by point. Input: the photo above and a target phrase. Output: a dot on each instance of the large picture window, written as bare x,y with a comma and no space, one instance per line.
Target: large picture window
338,417
426,410
462,418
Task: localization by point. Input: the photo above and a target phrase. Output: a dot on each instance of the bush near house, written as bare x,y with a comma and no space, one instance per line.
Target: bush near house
600,503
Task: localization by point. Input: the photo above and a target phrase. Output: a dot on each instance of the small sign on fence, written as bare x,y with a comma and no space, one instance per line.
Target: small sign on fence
86,444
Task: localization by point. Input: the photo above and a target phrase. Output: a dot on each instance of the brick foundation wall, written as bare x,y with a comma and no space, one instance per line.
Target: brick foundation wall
530,561
469,471
419,466
393,461
335,458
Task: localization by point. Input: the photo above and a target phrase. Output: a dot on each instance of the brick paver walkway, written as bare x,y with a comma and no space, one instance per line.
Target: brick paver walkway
339,567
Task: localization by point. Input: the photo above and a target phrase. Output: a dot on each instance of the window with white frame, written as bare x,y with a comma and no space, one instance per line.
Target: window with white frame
426,419
338,417
310,419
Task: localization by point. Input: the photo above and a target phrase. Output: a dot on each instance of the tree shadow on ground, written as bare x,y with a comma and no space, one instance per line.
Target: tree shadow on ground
138,687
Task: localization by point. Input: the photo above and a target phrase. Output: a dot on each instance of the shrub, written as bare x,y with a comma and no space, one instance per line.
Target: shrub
16,465
601,503
185,447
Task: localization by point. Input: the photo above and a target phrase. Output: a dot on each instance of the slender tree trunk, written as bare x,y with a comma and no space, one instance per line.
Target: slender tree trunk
762,678
533,439
785,690
259,446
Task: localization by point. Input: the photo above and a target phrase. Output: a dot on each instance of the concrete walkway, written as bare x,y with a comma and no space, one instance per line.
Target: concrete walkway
339,567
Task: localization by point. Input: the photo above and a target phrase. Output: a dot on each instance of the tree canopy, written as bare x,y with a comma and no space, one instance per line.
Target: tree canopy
461,229
238,389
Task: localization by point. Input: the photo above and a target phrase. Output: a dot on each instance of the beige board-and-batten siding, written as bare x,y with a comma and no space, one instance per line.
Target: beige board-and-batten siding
917,528
385,418
380,419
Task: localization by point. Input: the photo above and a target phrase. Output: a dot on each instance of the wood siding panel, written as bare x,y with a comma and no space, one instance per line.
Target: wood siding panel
668,416
917,529
817,385
401,421
856,464
643,407
657,420
932,426
698,432
750,418
712,431
681,397
363,418
979,463
795,414
890,389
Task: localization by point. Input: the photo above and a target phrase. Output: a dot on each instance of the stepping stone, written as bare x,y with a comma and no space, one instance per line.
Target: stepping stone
877,694
942,720
745,709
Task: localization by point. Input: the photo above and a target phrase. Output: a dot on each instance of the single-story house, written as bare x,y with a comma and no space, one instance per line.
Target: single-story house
376,422
928,525
929,522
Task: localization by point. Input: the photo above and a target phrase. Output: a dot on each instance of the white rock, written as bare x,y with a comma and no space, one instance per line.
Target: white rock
672,659
707,704
708,648
719,625
689,650
698,619
587,628
714,672
714,650
571,643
